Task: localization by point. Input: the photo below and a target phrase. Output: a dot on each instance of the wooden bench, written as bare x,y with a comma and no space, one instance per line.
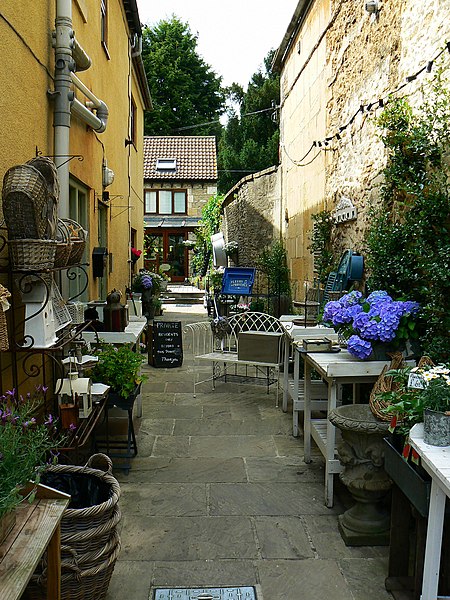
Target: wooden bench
223,352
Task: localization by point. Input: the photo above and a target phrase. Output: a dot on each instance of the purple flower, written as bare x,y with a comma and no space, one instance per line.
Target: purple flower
351,298
359,348
146,281
72,427
50,420
378,296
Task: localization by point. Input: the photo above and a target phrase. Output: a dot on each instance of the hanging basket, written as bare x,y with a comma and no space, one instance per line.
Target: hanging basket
4,306
90,541
25,203
78,237
31,254
63,245
47,168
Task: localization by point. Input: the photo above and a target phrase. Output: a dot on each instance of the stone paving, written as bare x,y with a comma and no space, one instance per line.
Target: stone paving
219,496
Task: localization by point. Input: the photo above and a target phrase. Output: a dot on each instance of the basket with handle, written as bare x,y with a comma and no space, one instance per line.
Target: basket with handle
78,237
25,203
63,246
4,306
90,541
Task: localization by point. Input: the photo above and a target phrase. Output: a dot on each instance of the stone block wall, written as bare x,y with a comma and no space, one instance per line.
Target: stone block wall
252,214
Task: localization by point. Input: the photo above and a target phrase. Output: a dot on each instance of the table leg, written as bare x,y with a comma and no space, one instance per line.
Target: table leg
307,410
295,393
54,566
434,542
285,374
331,441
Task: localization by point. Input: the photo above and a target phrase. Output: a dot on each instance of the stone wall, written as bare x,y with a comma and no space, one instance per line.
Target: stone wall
252,214
341,58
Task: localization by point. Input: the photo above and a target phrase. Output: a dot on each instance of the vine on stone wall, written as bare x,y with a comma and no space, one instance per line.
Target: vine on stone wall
320,245
408,241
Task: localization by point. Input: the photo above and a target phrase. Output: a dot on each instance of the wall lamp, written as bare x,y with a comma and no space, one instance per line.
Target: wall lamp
373,6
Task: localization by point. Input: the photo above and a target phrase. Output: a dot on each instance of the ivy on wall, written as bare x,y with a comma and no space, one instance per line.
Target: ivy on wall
408,241
320,245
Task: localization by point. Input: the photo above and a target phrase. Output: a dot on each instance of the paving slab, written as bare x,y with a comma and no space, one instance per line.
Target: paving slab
228,446
165,499
216,573
283,537
282,468
365,577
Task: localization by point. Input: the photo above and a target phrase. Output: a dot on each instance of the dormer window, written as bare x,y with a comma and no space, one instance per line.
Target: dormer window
166,164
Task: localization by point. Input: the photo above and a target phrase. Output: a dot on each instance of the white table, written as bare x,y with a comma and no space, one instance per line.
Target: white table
294,388
131,335
436,461
335,369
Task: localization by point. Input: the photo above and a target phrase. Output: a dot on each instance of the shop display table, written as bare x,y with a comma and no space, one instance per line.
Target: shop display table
335,369
436,461
37,529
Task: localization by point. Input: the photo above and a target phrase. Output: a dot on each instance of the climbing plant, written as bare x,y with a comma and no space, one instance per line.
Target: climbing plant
320,245
408,241
272,262
210,223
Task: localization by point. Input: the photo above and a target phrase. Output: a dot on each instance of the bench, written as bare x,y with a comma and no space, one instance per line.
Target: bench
225,352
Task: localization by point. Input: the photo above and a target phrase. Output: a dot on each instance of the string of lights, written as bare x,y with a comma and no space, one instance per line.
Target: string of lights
364,109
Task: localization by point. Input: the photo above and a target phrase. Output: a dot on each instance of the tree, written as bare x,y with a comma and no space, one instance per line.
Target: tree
250,141
184,89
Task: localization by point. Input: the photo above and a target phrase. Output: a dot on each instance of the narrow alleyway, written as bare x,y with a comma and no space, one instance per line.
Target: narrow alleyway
219,496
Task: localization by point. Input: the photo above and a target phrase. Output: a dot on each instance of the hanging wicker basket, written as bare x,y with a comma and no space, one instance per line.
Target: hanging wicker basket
78,238
25,203
32,255
63,245
48,170
90,541
4,306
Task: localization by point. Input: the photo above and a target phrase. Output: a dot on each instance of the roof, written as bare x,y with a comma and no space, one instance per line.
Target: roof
288,39
196,157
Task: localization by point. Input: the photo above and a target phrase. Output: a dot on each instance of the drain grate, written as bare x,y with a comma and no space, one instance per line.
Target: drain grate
235,593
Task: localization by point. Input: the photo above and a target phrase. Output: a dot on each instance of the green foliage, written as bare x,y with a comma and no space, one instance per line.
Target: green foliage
272,262
436,395
118,367
408,242
184,89
250,143
24,445
402,402
210,223
321,244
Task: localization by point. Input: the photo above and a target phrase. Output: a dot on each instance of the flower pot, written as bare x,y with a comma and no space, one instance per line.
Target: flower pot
7,522
436,428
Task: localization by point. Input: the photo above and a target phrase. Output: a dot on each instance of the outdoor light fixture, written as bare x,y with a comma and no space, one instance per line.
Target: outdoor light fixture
372,6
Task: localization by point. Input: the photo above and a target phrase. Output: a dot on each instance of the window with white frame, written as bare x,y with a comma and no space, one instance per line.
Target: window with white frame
166,202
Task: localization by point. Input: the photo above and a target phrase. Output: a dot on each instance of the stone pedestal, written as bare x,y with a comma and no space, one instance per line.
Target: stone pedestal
361,452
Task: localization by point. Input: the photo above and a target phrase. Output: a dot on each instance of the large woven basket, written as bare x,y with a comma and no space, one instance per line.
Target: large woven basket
90,541
25,203
31,254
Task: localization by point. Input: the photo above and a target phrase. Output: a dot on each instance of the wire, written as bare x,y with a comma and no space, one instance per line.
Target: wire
255,112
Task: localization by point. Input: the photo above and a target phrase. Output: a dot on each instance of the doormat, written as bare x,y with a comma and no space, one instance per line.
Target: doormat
234,593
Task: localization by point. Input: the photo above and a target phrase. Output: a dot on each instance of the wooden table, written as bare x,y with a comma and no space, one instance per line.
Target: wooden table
37,529
436,461
335,369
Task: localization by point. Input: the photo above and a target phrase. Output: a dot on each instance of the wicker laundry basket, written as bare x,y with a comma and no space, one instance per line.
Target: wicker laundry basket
90,541
78,238
63,245
26,203
31,254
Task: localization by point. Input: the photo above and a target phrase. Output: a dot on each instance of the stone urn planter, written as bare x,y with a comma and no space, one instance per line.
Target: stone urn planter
361,452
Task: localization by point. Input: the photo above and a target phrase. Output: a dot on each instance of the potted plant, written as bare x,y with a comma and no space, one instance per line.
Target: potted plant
434,399
372,324
135,255
26,444
119,367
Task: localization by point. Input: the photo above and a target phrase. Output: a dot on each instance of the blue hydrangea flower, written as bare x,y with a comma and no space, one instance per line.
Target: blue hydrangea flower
358,347
378,296
146,281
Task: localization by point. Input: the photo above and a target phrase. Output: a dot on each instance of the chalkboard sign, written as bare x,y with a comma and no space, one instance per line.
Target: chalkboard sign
167,344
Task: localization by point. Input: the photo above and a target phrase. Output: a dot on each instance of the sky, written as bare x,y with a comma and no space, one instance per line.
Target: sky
234,36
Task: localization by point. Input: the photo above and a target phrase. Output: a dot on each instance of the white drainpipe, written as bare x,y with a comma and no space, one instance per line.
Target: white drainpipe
69,57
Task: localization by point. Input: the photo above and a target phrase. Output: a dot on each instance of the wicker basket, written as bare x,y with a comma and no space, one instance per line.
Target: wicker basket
47,168
4,343
78,237
25,203
385,383
90,541
32,255
63,246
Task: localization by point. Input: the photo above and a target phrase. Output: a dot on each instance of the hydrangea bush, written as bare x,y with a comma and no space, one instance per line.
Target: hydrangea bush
377,319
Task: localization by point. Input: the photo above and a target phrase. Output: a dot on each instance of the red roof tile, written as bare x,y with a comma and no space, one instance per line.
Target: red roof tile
196,157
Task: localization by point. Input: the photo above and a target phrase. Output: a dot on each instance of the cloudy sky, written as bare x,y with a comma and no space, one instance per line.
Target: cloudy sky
234,36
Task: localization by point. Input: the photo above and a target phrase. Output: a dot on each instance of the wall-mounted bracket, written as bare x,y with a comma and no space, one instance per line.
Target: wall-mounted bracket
345,211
